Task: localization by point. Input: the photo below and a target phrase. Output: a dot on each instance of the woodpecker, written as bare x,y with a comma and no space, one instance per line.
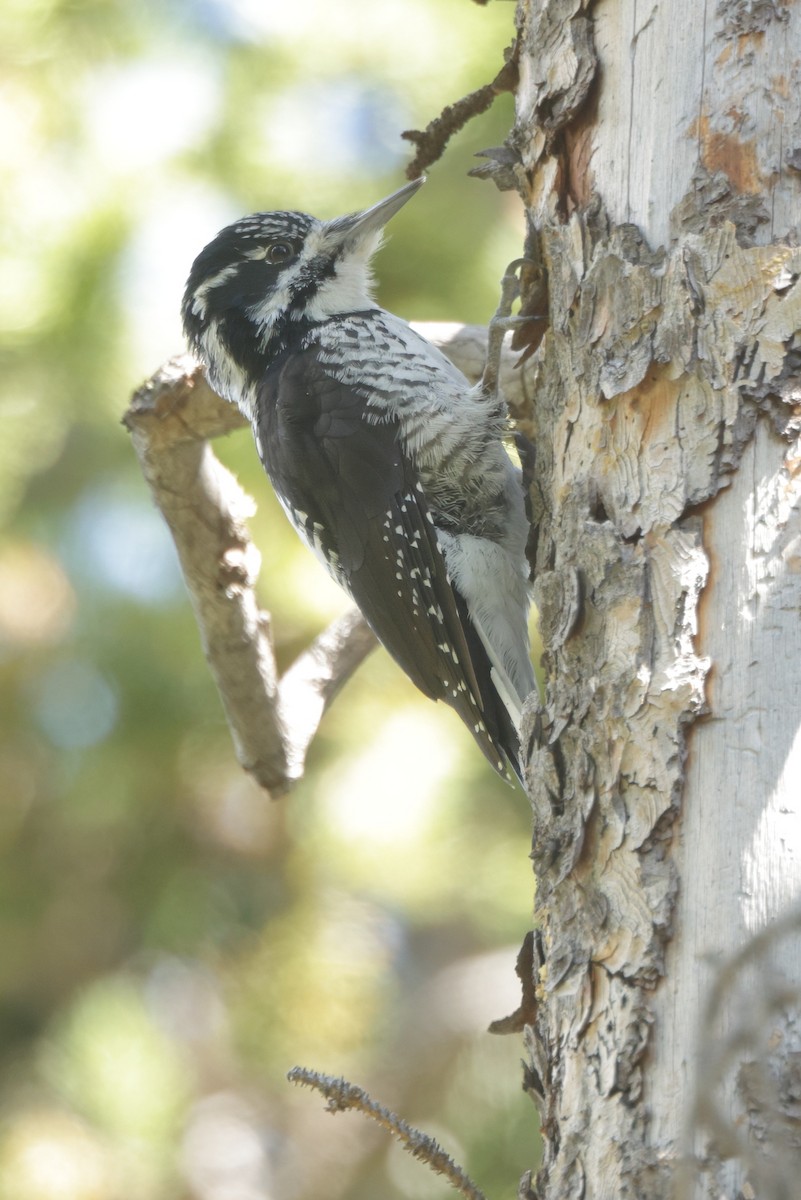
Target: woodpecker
389,464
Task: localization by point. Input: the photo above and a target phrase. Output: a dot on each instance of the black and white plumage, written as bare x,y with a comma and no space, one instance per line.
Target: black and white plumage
389,464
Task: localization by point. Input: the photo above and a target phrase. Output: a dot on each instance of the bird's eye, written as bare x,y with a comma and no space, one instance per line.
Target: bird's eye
279,252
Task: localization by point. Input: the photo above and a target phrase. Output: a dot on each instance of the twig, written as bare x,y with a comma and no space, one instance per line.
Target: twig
342,1095
431,141
273,721
500,324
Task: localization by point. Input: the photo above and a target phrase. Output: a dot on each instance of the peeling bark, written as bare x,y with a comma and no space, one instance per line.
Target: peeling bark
665,771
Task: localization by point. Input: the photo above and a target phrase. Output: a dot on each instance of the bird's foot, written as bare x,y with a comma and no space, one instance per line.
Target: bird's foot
500,324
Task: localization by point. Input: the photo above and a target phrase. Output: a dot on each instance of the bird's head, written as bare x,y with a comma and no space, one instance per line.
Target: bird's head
268,270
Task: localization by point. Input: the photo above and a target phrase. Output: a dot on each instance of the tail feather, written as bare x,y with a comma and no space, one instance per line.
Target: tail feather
498,700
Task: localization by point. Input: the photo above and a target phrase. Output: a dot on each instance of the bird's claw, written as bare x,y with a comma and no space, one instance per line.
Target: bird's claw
501,323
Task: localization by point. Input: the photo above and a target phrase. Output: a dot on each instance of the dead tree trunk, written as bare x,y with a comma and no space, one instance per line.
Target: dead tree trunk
659,155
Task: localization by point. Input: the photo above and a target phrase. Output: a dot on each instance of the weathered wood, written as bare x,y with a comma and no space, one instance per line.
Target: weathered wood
665,776
698,89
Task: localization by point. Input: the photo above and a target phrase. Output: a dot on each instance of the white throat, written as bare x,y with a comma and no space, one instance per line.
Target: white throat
224,373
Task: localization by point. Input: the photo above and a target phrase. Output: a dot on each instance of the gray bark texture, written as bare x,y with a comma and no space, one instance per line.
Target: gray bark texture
658,150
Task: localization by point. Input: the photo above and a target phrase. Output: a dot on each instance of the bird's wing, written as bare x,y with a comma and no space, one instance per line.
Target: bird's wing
357,501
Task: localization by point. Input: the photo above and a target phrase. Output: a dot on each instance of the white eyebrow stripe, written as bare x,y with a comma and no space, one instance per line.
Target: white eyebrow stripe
201,293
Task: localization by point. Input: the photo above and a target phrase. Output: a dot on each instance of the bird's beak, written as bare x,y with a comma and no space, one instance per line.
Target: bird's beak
355,228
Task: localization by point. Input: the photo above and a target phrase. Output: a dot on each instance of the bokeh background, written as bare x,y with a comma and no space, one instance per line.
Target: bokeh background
172,941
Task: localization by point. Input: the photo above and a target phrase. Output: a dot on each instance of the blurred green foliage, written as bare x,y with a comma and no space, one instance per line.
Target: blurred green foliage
171,941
